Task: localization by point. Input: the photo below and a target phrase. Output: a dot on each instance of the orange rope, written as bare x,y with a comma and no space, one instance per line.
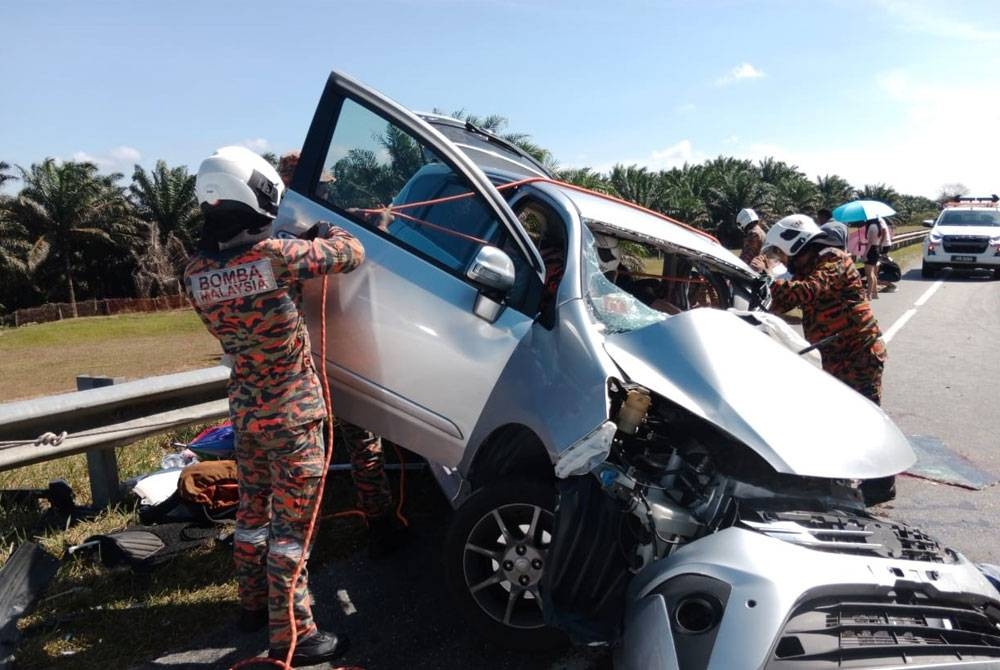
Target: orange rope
397,209
310,529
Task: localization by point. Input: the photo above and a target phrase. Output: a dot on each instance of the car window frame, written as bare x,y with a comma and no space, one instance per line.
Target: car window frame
340,88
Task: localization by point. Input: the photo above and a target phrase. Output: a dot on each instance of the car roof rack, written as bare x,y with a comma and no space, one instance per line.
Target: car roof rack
972,200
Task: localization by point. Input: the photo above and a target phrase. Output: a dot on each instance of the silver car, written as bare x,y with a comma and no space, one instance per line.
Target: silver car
537,342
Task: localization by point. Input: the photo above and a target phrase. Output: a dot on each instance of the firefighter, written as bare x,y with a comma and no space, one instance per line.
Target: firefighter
245,287
833,299
385,532
753,234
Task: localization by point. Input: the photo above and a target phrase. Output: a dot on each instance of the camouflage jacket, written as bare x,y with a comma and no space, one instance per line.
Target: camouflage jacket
249,298
832,299
753,242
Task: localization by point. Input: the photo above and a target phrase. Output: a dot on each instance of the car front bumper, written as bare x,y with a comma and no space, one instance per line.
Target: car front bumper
770,589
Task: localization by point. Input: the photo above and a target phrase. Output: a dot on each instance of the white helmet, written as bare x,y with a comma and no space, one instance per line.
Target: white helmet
609,254
792,233
746,217
235,176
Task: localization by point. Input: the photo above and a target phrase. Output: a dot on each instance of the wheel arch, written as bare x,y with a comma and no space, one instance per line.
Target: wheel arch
511,449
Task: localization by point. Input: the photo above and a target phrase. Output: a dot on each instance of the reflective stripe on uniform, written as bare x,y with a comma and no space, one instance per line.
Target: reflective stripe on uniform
251,535
288,548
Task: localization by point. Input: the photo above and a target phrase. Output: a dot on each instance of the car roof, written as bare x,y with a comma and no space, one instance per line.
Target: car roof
486,149
619,218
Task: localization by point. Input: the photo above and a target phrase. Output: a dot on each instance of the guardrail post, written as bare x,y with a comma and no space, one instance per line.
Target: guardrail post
102,464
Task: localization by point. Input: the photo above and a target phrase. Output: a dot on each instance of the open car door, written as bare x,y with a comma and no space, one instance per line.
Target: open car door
418,335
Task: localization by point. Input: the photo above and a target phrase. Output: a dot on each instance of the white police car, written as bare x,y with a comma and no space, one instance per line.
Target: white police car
966,235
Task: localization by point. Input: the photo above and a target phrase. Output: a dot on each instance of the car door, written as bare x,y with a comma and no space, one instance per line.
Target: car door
407,355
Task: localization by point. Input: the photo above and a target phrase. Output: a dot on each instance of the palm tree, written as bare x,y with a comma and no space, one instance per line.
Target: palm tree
4,177
880,192
775,172
66,205
167,213
735,190
795,195
585,177
636,184
683,193
833,190
13,245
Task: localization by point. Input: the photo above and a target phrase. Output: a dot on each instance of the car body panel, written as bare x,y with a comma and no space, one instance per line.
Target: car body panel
408,359
770,573
774,402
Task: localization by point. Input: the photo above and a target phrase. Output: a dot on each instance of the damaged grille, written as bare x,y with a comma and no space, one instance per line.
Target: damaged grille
888,631
965,244
850,534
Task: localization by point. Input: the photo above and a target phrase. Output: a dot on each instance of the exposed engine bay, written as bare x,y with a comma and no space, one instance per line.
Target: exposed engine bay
671,478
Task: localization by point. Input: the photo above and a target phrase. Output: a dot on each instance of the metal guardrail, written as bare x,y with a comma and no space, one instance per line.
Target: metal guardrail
906,239
97,420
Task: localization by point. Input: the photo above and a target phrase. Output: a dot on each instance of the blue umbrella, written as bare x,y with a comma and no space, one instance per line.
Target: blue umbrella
862,210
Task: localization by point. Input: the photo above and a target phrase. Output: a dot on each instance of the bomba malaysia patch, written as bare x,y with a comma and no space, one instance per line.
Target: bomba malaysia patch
238,281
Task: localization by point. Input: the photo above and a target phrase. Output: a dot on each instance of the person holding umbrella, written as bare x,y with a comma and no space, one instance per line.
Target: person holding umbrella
867,212
836,314
873,238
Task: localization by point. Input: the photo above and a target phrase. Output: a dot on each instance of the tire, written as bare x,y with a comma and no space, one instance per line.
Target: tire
929,271
495,584
996,273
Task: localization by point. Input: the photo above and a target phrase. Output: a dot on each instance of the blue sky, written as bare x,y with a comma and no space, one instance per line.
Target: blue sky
894,91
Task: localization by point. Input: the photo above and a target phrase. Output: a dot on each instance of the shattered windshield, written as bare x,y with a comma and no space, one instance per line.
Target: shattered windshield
616,310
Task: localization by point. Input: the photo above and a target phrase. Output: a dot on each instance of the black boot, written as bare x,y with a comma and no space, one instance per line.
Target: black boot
878,491
386,534
316,648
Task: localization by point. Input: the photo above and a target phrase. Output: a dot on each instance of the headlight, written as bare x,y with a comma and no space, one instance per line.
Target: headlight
587,453
935,238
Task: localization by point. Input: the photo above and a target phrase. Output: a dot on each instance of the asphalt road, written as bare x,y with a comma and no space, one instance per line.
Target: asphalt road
942,381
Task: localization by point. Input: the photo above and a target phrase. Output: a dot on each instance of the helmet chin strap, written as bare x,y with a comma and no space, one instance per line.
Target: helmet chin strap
244,238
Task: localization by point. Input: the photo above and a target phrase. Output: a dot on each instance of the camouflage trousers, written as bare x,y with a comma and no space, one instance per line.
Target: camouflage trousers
367,468
279,473
862,371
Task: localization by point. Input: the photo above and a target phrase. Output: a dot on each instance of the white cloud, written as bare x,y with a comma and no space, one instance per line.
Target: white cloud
672,156
741,71
117,159
686,108
922,17
257,144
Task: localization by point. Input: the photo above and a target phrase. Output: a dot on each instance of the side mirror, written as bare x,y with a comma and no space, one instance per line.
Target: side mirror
928,223
492,270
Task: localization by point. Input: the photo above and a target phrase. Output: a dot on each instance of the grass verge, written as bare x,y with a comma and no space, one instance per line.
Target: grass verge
45,358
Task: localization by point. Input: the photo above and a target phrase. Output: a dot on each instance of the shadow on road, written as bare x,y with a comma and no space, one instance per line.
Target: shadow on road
396,611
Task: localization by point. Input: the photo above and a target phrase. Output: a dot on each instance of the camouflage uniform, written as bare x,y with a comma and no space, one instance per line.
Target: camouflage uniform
249,298
753,242
832,298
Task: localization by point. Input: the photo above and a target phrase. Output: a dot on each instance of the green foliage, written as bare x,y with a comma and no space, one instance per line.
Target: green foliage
73,231
167,219
71,214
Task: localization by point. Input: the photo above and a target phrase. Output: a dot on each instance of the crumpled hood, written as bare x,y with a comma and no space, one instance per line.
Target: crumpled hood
798,418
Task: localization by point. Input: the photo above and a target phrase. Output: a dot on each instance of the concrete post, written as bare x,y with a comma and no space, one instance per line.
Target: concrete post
102,464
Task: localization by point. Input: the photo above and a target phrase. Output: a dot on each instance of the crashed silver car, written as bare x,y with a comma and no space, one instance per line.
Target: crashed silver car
537,342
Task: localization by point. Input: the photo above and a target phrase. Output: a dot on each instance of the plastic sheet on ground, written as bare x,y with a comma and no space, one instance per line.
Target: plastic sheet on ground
938,463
